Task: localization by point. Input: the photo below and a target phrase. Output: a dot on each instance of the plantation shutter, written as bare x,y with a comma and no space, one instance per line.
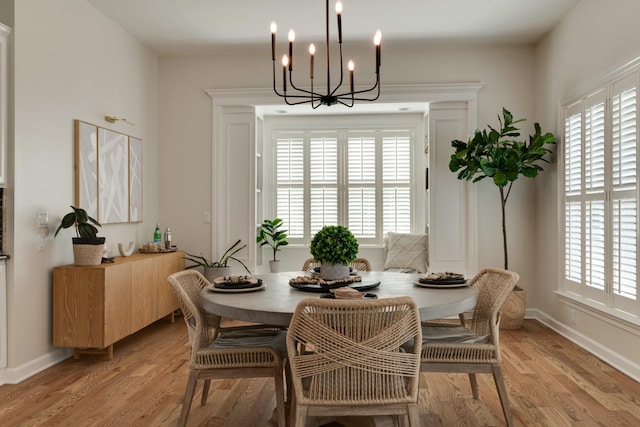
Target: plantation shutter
600,171
573,189
396,178
323,179
357,178
624,192
290,182
361,173
594,192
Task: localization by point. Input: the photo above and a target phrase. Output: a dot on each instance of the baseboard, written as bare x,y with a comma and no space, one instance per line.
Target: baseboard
22,372
619,362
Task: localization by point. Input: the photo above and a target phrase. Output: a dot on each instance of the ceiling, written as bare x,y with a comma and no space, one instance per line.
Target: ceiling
198,26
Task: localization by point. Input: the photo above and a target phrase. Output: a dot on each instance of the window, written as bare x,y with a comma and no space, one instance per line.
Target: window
601,196
360,178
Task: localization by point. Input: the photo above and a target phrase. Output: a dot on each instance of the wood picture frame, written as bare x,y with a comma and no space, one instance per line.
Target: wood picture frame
108,173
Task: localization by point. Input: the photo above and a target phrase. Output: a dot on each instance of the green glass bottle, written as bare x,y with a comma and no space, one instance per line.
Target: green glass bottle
157,235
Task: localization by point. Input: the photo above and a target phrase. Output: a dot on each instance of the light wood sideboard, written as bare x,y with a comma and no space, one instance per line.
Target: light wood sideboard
95,306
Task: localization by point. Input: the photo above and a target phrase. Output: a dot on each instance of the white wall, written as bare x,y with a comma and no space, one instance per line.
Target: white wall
596,37
185,131
71,62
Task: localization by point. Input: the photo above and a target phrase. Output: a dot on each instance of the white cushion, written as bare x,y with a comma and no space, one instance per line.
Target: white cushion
407,252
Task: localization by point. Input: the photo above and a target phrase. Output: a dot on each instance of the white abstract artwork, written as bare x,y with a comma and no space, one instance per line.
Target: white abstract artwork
135,179
108,174
87,167
113,177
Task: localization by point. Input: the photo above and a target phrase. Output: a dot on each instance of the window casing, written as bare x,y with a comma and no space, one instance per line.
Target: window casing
362,178
600,196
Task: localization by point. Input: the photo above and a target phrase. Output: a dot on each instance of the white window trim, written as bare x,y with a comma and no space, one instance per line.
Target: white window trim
411,121
565,289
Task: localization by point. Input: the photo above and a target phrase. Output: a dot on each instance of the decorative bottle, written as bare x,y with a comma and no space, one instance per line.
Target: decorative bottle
157,235
167,238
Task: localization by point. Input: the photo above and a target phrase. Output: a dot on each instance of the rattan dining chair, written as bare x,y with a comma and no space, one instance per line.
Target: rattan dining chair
351,362
231,352
358,264
310,265
474,348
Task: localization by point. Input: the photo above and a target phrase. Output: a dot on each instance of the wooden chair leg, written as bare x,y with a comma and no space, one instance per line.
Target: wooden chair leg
205,392
188,397
502,393
299,416
287,376
414,418
474,385
280,408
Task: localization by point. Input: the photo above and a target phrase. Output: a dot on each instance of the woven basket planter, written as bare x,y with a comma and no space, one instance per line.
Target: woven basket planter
513,310
88,251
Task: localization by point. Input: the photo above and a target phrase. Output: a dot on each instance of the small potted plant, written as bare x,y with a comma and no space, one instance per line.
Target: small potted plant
220,268
335,247
87,246
270,234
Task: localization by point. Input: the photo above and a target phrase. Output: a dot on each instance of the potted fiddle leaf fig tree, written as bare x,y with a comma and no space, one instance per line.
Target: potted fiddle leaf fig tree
335,247
87,246
499,155
270,234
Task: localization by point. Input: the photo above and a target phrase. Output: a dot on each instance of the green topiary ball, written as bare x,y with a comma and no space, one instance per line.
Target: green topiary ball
334,244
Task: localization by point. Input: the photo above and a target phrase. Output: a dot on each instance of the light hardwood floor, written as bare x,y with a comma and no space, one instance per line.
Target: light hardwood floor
551,382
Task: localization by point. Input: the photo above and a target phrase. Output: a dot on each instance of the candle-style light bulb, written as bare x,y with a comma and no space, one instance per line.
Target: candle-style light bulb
285,63
376,41
274,29
351,66
312,52
292,37
339,13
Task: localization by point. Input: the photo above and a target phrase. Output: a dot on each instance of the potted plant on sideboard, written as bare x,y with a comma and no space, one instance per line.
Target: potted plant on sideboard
219,268
496,154
87,246
270,234
335,247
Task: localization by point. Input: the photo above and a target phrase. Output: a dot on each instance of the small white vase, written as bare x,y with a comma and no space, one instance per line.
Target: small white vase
126,250
274,266
330,271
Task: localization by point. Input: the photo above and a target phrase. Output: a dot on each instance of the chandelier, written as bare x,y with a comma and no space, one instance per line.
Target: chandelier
335,95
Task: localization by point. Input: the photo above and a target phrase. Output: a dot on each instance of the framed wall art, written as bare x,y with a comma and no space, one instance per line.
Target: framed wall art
108,174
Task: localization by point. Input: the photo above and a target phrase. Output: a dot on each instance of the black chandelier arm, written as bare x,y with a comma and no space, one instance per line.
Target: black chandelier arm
275,89
341,73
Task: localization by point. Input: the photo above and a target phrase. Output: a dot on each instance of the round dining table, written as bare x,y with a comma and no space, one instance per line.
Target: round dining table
276,301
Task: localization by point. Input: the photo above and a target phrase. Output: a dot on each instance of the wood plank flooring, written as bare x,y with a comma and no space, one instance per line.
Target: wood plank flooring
550,381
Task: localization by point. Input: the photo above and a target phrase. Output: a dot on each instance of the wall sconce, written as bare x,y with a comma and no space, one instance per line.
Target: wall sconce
114,119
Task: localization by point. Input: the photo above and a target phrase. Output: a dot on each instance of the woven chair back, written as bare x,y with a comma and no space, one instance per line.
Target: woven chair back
202,326
494,287
352,351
